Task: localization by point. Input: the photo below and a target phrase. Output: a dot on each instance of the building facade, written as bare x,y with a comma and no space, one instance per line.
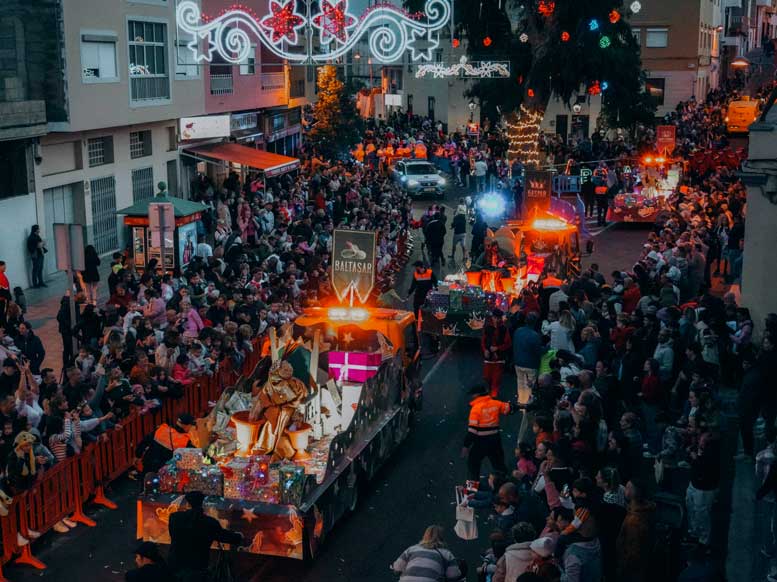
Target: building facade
91,94
680,46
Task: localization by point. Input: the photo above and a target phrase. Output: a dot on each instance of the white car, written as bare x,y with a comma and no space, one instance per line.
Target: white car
419,178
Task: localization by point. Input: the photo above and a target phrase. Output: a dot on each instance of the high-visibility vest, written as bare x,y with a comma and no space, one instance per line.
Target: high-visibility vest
170,438
484,415
425,276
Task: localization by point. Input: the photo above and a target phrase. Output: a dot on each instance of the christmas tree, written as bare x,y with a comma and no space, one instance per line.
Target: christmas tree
337,125
555,48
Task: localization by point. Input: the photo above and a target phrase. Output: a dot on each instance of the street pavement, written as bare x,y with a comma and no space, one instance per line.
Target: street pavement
415,489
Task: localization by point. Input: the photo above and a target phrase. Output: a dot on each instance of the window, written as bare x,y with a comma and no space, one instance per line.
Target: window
437,57
637,34
13,169
105,236
186,66
172,138
100,150
295,116
98,58
655,88
248,65
149,78
142,184
140,144
657,38
278,121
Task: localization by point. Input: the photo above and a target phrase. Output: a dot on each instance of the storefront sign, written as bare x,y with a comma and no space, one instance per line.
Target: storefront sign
205,127
353,264
666,136
539,185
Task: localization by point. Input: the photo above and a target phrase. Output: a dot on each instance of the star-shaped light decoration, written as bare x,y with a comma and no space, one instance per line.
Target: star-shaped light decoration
423,53
347,338
284,22
249,515
334,21
202,53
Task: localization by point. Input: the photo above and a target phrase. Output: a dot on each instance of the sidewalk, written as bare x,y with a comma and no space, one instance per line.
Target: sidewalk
43,306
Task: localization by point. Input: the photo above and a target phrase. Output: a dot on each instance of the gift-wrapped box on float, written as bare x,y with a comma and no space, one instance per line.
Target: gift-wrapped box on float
208,480
188,458
353,366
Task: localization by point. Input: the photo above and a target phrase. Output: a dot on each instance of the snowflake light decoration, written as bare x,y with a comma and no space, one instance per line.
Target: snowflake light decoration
334,21
284,21
636,6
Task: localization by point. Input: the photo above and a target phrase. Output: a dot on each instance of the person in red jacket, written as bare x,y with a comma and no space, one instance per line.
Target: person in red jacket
495,344
631,295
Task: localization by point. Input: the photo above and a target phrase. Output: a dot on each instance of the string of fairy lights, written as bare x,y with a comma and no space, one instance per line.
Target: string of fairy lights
523,134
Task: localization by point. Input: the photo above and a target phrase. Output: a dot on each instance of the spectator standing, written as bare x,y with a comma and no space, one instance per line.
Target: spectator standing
151,566
4,284
91,274
31,347
36,249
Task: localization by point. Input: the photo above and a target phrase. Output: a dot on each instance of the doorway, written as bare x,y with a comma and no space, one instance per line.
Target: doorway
562,126
58,207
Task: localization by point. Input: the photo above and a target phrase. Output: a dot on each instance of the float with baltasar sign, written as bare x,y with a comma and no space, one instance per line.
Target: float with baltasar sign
290,447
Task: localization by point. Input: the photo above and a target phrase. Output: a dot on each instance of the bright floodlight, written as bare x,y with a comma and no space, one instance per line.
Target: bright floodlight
492,205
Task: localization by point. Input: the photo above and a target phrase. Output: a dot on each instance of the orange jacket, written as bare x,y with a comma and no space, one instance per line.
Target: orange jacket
484,416
169,438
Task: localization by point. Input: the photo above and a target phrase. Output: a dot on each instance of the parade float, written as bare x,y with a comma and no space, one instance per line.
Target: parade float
654,180
291,445
516,255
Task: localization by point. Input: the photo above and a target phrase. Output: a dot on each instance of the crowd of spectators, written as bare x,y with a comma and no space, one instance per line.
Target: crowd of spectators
624,373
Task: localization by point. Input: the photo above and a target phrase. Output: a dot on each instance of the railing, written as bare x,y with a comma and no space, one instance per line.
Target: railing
150,88
273,81
63,490
220,84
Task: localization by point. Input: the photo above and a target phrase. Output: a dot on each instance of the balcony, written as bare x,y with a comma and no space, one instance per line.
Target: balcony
273,81
767,3
221,84
22,119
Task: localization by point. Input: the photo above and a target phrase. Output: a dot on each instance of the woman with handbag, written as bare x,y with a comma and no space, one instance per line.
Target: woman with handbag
428,560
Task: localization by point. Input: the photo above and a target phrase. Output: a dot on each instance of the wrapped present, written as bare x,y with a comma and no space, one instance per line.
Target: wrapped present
208,480
235,481
188,458
292,484
353,366
438,300
168,476
456,299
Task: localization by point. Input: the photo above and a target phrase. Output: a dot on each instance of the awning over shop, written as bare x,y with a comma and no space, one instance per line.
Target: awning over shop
269,163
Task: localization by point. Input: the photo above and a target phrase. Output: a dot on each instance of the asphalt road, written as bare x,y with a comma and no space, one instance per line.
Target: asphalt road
415,489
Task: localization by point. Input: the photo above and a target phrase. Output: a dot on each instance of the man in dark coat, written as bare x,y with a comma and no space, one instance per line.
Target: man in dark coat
30,346
434,232
191,535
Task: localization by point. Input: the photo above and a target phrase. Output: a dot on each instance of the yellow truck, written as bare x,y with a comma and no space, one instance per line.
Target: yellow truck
741,114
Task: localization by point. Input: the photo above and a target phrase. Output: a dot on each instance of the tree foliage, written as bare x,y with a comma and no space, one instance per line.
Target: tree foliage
547,64
337,125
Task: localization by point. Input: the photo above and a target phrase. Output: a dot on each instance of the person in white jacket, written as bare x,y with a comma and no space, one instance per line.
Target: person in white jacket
518,556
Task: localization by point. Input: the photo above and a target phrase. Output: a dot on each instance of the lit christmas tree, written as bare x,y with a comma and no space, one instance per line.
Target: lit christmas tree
555,49
337,123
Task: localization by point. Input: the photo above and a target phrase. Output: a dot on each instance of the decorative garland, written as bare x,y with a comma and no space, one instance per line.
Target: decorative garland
473,70
392,31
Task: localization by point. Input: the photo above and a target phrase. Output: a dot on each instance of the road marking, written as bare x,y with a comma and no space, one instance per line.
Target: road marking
605,229
439,362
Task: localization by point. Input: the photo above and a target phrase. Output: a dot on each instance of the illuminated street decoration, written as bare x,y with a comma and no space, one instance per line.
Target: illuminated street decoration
473,70
391,31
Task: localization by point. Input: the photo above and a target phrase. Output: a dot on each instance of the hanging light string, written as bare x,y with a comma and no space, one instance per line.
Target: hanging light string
524,136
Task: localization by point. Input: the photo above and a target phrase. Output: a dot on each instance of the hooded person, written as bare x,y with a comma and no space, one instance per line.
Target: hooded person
158,447
22,470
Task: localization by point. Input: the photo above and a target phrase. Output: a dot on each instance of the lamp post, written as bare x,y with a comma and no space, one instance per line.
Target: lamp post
472,106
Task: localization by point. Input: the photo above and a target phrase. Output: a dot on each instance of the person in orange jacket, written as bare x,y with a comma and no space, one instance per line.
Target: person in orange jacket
483,434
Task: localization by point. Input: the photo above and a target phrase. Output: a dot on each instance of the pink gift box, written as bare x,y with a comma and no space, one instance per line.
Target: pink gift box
353,366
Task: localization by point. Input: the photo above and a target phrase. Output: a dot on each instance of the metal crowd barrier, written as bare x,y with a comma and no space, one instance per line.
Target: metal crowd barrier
64,489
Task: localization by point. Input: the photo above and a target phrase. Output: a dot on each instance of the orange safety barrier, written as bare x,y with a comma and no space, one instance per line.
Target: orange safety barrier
65,488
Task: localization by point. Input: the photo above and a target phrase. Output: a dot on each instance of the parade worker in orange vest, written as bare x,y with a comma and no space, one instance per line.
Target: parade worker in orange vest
424,280
483,434
157,448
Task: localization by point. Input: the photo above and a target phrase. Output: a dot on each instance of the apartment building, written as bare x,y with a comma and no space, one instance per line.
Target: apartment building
680,44
32,93
91,94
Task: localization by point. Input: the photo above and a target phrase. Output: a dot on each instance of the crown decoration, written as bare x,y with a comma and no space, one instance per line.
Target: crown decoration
476,321
441,313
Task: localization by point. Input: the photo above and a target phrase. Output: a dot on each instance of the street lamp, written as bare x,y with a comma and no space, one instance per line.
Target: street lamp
472,106
740,63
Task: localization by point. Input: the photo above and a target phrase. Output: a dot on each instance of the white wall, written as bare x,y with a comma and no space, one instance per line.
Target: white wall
17,215
120,169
